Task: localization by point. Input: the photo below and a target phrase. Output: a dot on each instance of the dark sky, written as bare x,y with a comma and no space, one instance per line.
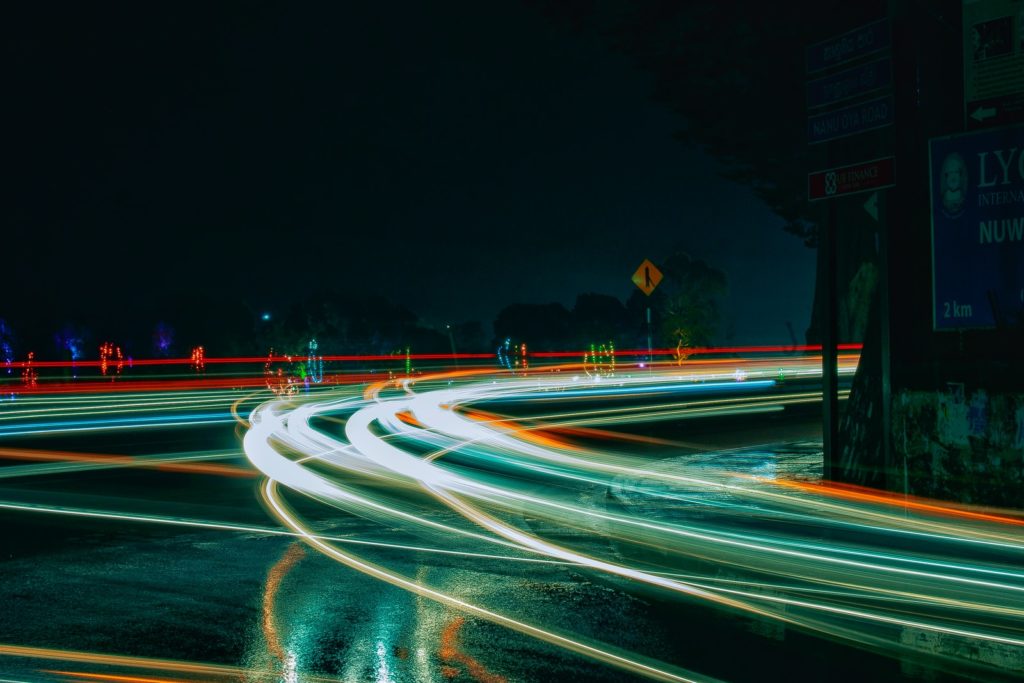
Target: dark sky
456,157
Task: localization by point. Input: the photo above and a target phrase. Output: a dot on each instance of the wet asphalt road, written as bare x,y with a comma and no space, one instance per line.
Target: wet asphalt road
270,604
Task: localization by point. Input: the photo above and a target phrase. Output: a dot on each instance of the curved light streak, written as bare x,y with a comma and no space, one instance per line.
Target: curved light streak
845,589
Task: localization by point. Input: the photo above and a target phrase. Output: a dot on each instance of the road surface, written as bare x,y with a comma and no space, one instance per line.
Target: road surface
563,523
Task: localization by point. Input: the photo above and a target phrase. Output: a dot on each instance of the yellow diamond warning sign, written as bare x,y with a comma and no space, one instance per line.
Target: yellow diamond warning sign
647,277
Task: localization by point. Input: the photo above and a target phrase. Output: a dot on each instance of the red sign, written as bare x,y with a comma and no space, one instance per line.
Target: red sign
862,177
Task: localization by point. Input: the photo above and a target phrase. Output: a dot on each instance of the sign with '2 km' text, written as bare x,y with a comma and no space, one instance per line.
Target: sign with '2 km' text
977,207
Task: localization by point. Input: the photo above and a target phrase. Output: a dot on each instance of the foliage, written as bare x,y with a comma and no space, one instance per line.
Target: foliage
598,316
734,72
350,324
543,327
689,306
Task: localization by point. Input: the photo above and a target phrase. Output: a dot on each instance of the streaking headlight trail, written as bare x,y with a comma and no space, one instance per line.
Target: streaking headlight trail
519,463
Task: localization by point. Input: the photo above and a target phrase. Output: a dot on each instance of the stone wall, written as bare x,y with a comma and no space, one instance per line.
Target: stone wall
961,445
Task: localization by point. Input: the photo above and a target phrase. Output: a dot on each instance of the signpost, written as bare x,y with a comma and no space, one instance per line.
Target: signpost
844,180
849,95
993,63
856,118
871,206
647,277
977,209
860,42
849,83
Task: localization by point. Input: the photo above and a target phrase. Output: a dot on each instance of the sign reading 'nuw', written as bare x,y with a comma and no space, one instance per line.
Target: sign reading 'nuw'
977,196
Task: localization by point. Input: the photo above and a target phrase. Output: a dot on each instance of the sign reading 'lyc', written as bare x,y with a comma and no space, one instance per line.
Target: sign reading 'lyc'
845,180
977,206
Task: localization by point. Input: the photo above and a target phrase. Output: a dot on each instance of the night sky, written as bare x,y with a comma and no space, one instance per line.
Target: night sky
456,158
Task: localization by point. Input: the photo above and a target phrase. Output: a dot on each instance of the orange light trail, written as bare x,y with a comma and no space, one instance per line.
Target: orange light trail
204,670
125,461
122,661
114,677
275,576
554,429
450,652
863,494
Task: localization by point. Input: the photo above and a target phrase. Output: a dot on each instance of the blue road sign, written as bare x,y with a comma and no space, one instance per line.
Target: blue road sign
859,42
856,118
849,83
977,206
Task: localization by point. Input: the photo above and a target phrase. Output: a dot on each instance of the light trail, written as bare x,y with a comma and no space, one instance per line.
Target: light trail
264,530
150,375
450,357
112,677
605,654
275,577
847,588
115,424
54,415
67,461
217,671
861,494
466,461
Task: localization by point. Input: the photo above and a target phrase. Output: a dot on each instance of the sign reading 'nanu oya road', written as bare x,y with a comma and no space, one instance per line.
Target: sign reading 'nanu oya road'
856,118
977,202
844,180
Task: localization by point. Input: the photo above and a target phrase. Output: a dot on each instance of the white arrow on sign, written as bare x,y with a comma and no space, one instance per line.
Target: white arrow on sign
871,205
982,113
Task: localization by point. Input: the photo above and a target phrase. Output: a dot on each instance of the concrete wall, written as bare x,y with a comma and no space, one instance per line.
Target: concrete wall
961,444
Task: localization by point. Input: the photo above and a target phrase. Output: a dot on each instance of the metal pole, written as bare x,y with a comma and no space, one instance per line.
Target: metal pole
829,355
650,349
885,349
451,340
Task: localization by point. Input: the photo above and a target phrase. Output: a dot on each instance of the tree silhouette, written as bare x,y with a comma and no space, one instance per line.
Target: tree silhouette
543,327
598,318
689,306
734,72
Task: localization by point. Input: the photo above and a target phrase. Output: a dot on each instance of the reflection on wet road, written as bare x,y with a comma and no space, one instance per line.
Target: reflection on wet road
882,572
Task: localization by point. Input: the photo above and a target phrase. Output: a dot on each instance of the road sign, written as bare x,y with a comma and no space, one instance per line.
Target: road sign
871,206
859,42
977,207
844,180
647,277
849,67
850,83
993,63
856,118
